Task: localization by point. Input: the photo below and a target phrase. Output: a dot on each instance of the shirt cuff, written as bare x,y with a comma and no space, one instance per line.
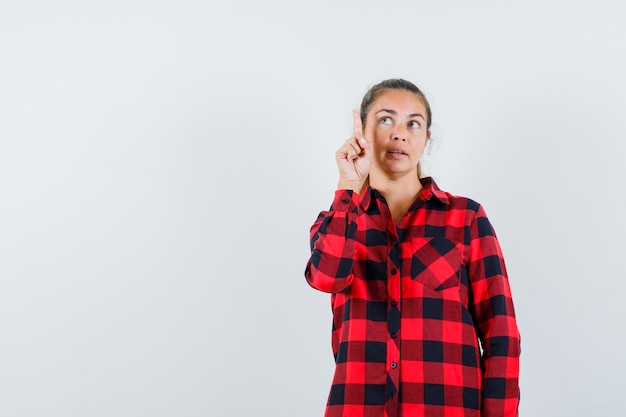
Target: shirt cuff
345,200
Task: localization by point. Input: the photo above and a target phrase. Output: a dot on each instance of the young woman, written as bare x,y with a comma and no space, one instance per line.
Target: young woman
423,320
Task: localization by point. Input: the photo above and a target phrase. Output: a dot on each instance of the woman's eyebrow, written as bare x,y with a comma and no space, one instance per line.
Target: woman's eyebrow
395,113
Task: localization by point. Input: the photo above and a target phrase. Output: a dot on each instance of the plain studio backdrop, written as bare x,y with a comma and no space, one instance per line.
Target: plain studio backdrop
161,163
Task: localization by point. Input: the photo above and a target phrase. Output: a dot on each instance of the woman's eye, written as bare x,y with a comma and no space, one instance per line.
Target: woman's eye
385,120
414,125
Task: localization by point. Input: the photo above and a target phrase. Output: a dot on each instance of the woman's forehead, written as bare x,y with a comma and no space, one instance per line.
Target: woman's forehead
400,101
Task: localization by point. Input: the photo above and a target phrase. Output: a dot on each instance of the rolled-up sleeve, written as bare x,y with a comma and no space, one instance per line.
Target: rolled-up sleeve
329,268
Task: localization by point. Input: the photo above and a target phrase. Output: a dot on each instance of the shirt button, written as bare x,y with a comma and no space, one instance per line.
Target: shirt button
393,304
346,201
393,271
394,243
393,336
393,365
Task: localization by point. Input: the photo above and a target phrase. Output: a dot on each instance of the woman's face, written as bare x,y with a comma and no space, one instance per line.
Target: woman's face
396,128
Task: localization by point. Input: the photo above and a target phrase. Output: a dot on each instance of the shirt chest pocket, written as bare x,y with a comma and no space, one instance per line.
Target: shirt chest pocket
435,262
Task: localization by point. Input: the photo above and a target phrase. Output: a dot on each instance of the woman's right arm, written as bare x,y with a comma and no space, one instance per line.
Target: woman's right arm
329,268
332,236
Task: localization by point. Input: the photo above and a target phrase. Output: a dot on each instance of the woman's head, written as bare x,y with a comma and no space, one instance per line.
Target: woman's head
396,120
392,84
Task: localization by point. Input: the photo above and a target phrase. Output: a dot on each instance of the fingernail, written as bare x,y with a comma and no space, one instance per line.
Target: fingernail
362,140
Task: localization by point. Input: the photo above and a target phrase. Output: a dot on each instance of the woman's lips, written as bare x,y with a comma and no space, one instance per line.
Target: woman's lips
396,153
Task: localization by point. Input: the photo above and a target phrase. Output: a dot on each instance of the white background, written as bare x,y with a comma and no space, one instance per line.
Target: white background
161,163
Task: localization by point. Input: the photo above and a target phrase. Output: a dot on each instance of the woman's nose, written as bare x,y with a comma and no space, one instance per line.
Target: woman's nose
399,133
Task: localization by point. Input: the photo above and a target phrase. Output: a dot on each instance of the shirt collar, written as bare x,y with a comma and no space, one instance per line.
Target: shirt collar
429,189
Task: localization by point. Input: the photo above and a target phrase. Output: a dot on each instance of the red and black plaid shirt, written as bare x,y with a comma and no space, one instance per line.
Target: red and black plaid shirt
423,320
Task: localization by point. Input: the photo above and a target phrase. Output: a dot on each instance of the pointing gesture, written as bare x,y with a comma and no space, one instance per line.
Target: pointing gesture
353,158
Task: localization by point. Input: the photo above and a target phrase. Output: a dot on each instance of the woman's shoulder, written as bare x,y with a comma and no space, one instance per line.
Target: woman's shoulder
463,202
454,201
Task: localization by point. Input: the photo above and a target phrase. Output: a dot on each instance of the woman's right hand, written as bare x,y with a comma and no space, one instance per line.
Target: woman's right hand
353,158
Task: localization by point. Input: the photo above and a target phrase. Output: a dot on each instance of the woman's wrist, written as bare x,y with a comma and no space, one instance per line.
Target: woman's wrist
350,185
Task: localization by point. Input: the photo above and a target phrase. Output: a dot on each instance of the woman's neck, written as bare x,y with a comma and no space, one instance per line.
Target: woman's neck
400,193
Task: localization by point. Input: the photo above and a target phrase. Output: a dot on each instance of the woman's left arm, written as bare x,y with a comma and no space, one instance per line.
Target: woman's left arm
491,306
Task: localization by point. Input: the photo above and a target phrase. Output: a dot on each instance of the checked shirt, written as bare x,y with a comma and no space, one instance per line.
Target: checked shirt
423,320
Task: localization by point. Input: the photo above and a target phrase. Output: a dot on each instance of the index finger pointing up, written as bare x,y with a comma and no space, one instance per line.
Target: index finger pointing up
357,130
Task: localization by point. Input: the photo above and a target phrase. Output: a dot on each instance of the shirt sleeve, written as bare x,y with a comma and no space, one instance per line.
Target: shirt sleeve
329,268
494,318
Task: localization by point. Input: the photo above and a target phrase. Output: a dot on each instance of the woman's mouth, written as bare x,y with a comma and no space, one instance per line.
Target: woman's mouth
396,153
